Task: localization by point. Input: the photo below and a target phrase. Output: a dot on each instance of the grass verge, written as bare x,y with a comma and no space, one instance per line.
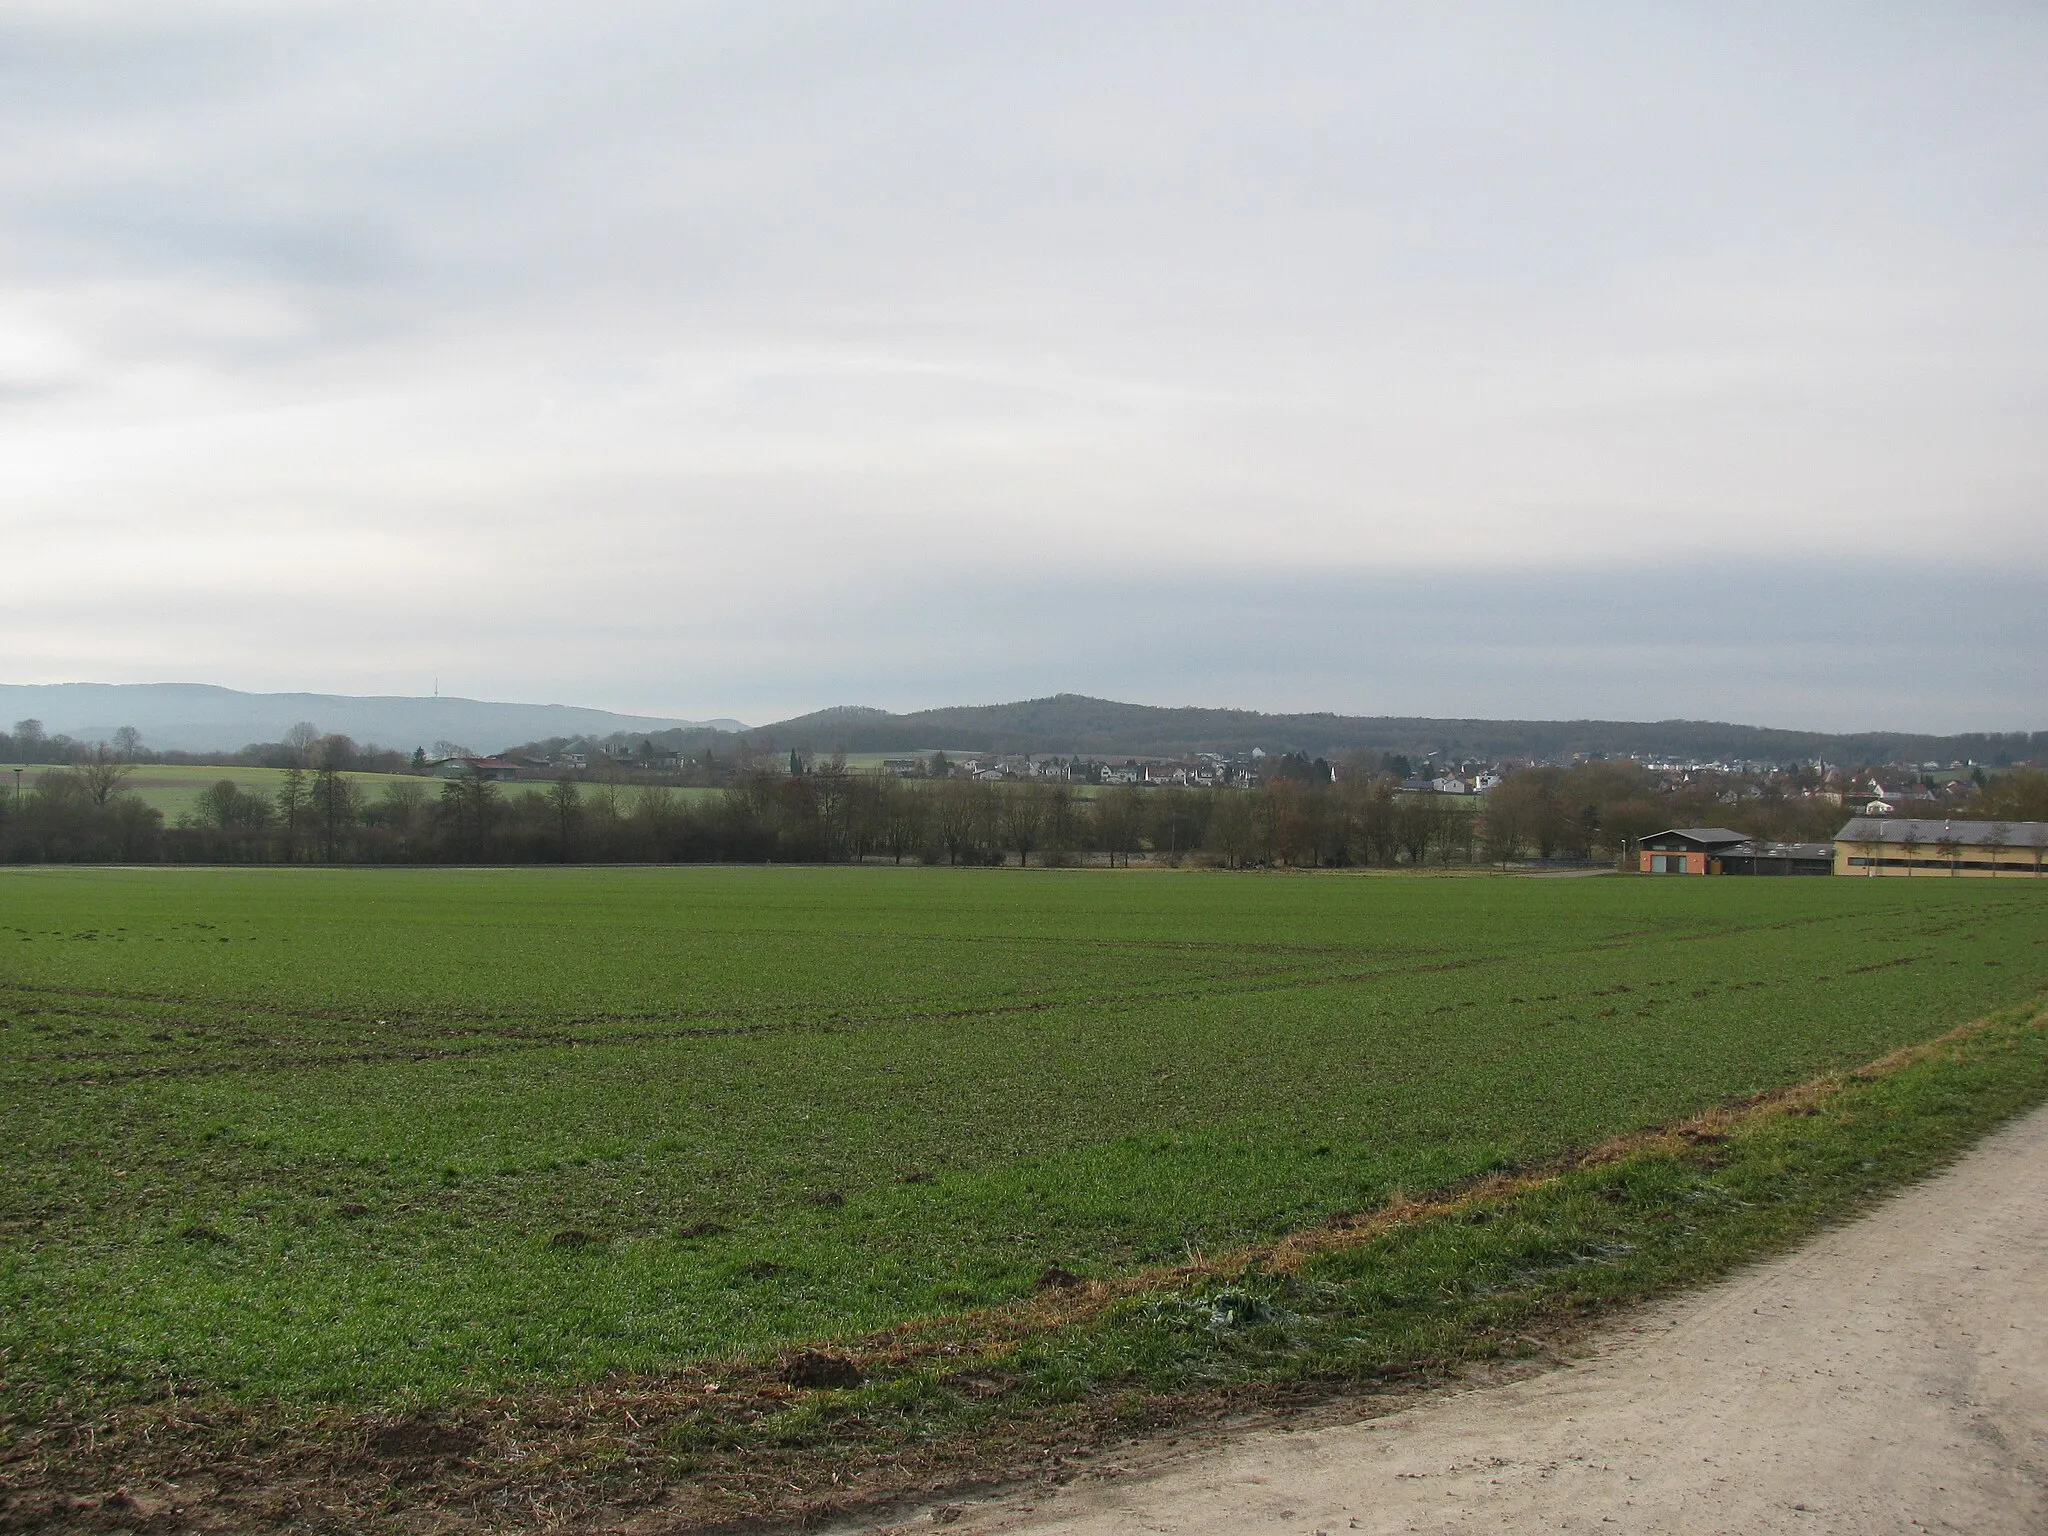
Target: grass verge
1382,1301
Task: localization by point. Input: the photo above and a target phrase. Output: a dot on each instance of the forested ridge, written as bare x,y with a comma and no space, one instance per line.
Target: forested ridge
1074,723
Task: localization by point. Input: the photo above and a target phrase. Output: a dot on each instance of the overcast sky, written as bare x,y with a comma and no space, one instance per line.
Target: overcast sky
710,359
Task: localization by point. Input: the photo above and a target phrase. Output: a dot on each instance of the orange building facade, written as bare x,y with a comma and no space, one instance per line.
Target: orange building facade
1687,850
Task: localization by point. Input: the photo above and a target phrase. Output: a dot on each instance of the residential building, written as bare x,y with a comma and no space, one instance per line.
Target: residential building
477,767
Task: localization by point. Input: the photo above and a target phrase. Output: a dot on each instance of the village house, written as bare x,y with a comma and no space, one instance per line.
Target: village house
495,768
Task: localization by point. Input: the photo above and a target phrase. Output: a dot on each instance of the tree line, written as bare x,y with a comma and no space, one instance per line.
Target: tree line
320,814
30,743
1594,812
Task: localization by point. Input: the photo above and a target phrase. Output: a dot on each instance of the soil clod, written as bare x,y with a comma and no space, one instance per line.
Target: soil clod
415,1441
977,1385
812,1368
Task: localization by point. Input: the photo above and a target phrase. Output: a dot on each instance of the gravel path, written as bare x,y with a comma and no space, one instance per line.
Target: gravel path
1892,1376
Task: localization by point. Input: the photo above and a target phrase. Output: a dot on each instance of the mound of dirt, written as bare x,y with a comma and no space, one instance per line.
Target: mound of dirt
419,1440
813,1369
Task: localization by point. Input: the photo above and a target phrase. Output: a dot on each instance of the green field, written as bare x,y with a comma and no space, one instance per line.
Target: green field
381,1136
174,789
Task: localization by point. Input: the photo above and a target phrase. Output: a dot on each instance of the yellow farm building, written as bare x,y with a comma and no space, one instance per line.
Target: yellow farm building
1872,845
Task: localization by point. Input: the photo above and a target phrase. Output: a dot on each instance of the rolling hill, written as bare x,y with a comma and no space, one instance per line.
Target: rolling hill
1070,722
198,717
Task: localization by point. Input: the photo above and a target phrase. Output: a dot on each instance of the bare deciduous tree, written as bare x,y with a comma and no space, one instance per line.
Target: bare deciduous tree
29,740
1119,822
565,802
300,740
228,807
1230,827
292,807
335,807
904,814
470,806
100,774
956,817
1023,819
402,807
1062,825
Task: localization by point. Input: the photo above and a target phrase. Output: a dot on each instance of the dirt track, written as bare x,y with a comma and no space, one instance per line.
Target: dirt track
1890,1377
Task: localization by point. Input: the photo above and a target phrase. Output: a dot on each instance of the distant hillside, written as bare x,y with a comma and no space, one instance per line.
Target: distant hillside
1070,722
197,717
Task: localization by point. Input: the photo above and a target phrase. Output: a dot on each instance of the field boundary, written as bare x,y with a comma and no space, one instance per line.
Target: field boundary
1350,1316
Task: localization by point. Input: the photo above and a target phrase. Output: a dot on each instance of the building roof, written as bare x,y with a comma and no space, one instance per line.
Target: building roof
1712,836
1900,829
1764,850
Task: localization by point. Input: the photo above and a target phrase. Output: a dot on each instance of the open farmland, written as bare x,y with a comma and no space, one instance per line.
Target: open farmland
381,1136
173,789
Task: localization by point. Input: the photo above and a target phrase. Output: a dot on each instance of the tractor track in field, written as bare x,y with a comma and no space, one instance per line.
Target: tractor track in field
503,1040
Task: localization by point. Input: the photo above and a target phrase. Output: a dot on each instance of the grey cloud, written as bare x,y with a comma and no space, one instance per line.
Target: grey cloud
515,300
1845,645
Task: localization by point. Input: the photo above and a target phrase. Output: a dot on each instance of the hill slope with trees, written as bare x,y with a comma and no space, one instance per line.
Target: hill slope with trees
1070,722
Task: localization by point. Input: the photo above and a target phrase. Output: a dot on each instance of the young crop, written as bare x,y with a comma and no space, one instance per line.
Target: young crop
387,1135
